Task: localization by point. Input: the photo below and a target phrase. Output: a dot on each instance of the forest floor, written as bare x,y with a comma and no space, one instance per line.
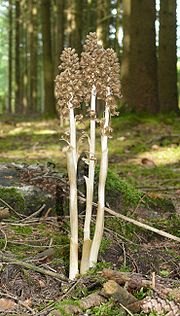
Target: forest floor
145,152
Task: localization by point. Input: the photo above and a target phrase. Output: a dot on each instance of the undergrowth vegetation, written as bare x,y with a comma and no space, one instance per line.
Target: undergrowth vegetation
150,185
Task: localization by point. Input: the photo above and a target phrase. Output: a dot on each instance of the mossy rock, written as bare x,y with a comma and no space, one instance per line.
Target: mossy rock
123,197
13,197
25,200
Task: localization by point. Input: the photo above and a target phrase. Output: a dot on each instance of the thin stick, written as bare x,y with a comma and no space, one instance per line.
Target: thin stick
11,208
159,189
126,309
34,214
29,266
137,223
145,226
20,302
50,307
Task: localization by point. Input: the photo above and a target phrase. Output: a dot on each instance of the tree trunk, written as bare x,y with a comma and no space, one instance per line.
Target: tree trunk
118,25
24,56
33,57
18,105
59,32
10,56
167,57
75,9
103,21
90,16
139,64
49,101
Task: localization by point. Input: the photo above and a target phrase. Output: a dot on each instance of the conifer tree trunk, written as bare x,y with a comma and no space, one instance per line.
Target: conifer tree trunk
24,56
18,105
10,56
167,69
118,24
59,31
33,56
49,101
103,21
90,17
74,24
139,64
74,30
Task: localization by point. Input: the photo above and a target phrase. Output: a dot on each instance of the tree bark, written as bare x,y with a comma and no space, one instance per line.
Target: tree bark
18,105
59,32
75,10
33,38
167,57
78,34
118,25
10,57
139,64
49,100
103,21
24,57
90,17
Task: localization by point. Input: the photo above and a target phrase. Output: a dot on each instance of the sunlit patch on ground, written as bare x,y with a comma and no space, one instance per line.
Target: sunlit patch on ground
163,156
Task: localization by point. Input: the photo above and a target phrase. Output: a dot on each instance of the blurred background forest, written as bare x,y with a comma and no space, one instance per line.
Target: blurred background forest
143,33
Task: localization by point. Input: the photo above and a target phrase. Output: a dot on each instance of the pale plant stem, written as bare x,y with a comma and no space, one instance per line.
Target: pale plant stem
101,191
72,175
89,187
73,134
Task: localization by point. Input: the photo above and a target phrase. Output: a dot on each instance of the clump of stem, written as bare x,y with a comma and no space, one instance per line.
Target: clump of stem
95,76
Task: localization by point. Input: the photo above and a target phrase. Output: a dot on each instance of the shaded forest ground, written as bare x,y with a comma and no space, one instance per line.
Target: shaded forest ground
145,151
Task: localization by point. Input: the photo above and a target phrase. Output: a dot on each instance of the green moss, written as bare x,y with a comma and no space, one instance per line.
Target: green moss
124,228
60,306
24,230
14,198
108,309
20,251
129,193
170,225
99,267
105,244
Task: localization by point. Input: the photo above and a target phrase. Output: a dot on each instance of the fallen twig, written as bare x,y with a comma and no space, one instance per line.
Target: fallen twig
126,309
34,214
137,223
19,302
145,226
30,266
159,189
50,307
11,208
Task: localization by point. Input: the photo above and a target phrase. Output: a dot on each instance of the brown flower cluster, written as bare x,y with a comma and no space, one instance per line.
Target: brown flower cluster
93,64
98,67
101,68
68,84
113,82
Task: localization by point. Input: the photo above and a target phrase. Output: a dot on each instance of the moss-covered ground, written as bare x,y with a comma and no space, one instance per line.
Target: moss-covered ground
144,162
